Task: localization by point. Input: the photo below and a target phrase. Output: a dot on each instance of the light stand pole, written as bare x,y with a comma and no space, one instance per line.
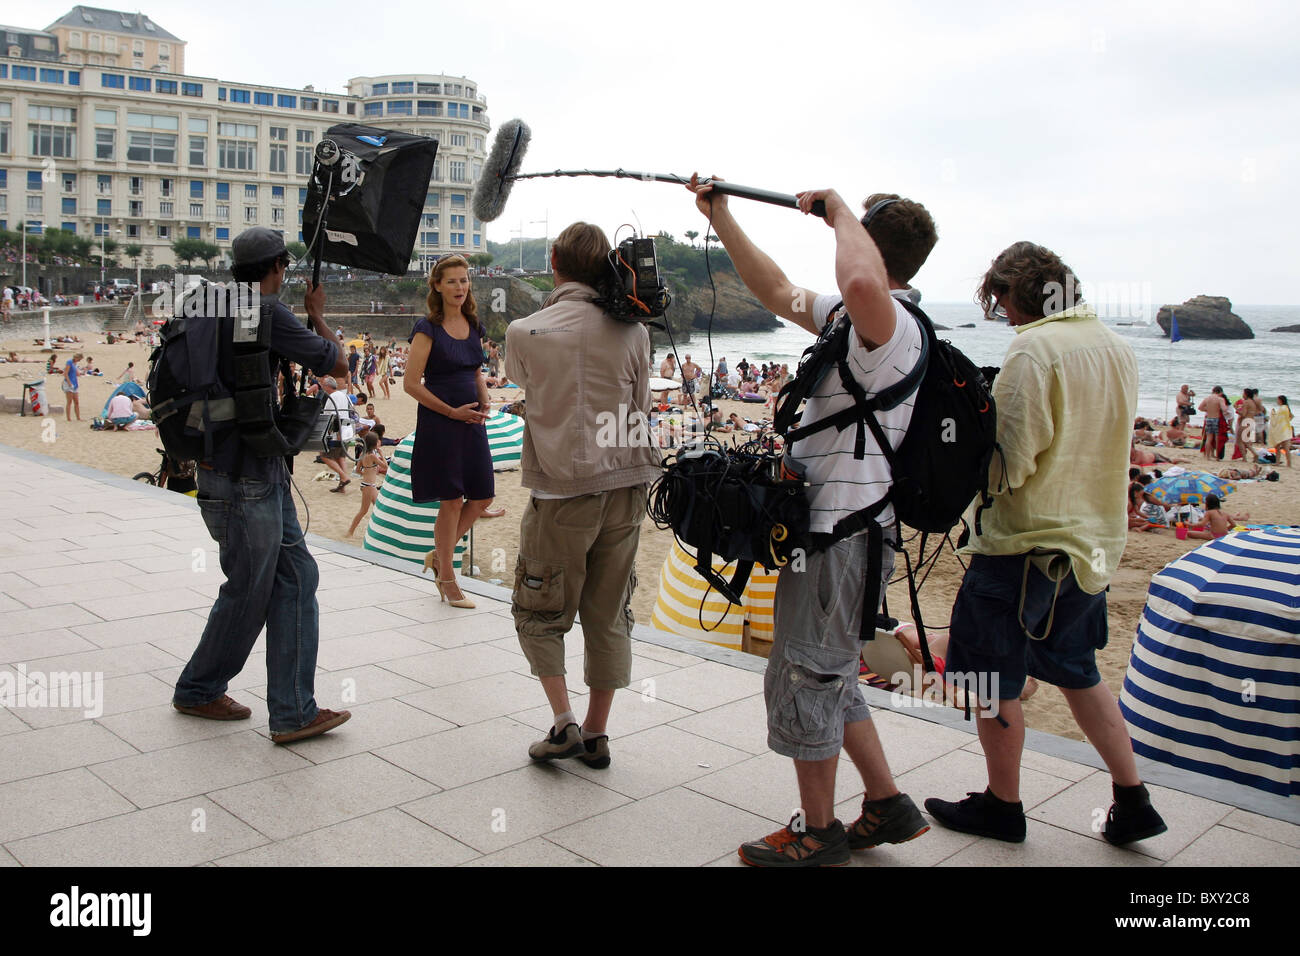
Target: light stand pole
546,241
24,253
103,231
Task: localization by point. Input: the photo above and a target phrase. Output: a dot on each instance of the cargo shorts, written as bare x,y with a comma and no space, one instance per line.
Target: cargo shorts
811,685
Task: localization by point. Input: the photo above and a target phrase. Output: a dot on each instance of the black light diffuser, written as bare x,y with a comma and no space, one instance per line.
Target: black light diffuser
375,185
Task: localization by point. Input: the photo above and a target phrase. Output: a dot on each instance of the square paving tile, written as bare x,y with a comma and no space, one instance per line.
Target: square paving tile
1082,808
185,833
537,852
1278,831
372,648
291,804
375,725
453,665
741,724
514,807
163,776
474,701
1222,847
705,685
953,775
54,801
1046,846
675,828
497,746
387,838
118,695
37,752
184,626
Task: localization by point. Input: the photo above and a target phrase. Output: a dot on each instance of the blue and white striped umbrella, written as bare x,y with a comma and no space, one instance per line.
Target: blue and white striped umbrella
1213,683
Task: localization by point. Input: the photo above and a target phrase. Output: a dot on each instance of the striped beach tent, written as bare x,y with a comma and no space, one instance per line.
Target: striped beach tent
397,525
1213,683
505,440
677,607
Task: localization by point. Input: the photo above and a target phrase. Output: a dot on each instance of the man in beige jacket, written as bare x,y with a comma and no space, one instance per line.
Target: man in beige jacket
588,459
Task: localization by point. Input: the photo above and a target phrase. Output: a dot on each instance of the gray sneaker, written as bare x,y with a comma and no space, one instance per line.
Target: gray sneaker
596,752
557,746
892,820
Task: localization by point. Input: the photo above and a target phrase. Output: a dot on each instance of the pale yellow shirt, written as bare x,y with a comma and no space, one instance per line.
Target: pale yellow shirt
1066,397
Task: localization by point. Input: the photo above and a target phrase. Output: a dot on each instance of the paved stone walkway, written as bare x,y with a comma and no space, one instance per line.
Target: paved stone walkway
103,576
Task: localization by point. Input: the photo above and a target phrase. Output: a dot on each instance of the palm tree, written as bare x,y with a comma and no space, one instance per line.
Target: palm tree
691,234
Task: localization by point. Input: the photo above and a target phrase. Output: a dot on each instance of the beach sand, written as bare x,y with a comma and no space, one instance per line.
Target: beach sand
496,540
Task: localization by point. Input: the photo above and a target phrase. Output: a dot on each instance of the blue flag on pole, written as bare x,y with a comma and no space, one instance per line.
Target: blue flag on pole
1173,329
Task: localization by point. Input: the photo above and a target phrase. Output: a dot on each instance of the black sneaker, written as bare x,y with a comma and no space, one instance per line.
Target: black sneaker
559,744
785,847
981,814
892,820
1128,823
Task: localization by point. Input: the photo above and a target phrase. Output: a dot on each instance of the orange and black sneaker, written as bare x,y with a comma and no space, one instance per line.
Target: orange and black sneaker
891,820
807,846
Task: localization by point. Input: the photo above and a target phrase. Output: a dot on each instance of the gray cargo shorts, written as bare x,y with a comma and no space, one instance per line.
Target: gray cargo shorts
811,684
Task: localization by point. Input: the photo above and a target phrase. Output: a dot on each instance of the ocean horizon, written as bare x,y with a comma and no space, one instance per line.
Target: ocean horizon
1269,362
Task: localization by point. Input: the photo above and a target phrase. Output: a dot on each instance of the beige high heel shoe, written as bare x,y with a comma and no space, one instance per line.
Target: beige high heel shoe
431,563
462,601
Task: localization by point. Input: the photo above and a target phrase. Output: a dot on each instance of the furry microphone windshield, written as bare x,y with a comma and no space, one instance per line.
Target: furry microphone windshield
500,169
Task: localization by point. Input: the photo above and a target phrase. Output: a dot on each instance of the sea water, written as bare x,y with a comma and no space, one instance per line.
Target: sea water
1269,362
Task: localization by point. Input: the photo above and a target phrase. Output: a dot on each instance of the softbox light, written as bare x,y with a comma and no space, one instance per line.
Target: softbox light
376,184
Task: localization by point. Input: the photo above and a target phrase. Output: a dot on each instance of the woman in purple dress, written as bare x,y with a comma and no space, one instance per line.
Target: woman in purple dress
450,460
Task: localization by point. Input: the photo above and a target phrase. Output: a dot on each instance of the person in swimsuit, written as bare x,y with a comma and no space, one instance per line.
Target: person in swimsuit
369,466
1217,522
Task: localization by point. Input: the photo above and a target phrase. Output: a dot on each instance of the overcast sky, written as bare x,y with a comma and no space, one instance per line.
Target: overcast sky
1153,145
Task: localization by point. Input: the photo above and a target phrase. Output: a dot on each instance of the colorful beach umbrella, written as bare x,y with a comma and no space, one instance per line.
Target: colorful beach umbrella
685,604
1189,488
1213,683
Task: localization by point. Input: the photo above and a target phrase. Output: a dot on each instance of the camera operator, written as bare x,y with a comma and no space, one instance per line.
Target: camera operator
815,706
248,508
579,533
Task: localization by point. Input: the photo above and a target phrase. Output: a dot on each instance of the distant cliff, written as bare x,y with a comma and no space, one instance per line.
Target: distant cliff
736,309
1205,317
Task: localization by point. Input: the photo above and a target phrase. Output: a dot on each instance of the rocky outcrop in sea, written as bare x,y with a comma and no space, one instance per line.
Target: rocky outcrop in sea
1205,317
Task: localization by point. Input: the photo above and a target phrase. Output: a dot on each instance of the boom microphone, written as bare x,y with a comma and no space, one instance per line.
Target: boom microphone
499,172
502,169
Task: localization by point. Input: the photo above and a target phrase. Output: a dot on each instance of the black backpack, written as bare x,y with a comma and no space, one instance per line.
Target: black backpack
939,468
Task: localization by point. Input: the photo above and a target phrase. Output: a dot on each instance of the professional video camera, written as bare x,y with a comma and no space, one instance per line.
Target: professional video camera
634,291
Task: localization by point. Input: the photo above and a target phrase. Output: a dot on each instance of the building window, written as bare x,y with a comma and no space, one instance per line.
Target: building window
135,208
457,168
250,214
24,73
164,232
279,158
458,199
477,241
246,130
428,108
407,86
277,217
140,84
302,195
433,198
286,102
56,141
434,89
279,134
196,189
151,148
223,192
105,140
69,206
263,99
165,187
379,89
69,182
223,212
74,76
303,160
133,230
198,151
35,204
51,76
399,107
191,89
166,209
103,183
436,175
103,207
196,210
135,186
458,238
223,234
4,135
306,135
310,103
458,139
232,154
165,86
457,222
374,109
329,106
106,117
250,191
239,96
431,220
277,194
34,179
164,121
429,238
112,81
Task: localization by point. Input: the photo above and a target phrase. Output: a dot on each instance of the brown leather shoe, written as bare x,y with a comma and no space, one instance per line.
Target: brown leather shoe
326,720
223,708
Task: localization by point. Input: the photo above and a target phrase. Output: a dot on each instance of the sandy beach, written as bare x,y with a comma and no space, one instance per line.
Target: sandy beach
126,453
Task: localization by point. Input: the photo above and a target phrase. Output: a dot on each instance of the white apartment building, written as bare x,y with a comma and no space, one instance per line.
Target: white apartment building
147,156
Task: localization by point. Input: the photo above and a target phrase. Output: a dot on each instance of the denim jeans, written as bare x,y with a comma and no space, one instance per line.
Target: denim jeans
271,580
